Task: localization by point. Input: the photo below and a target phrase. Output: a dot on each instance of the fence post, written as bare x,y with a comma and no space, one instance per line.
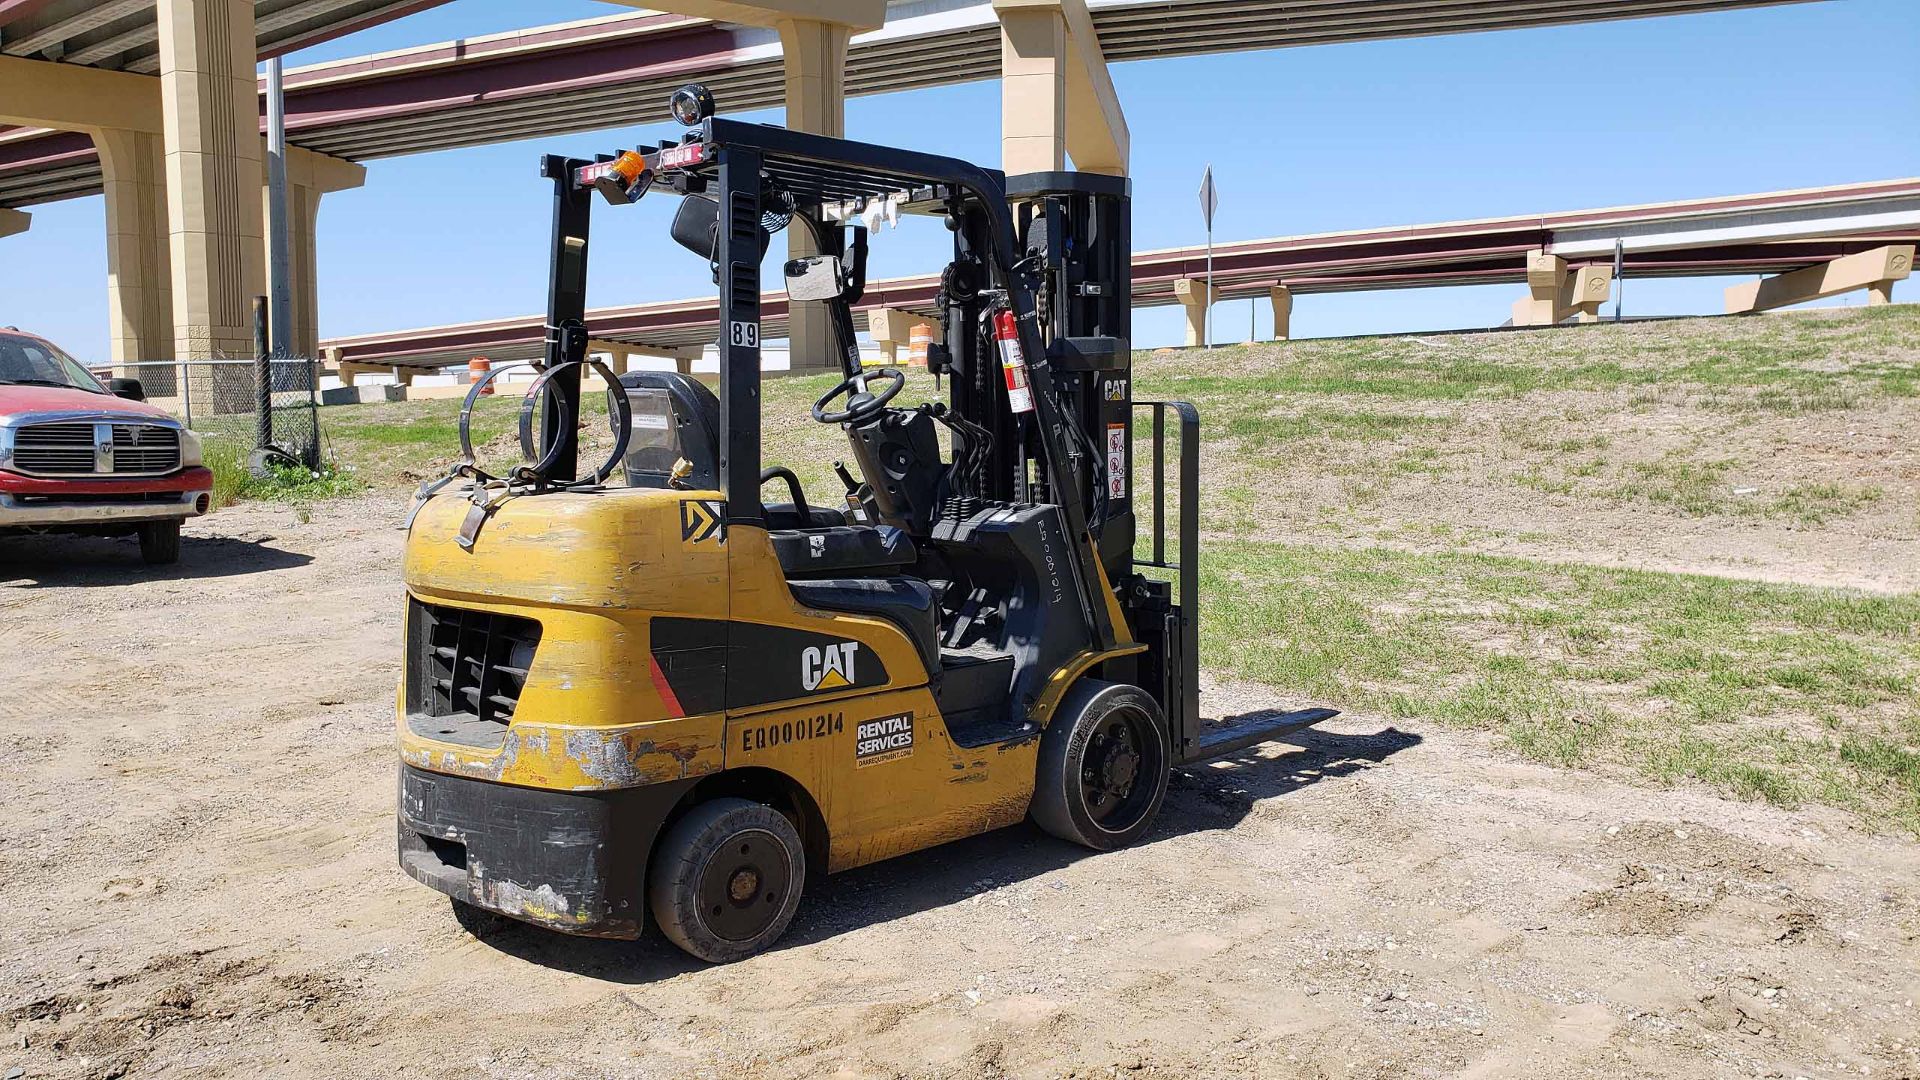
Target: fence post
262,377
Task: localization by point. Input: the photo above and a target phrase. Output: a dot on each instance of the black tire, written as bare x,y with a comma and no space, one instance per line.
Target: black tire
160,543
478,921
726,879
1105,760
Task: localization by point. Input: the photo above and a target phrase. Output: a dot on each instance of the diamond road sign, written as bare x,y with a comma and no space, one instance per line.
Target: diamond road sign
1209,198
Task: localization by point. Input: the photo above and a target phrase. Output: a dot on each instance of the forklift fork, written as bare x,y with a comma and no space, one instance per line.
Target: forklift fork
1178,685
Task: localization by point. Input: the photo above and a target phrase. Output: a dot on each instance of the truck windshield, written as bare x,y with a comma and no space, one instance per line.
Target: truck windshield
29,361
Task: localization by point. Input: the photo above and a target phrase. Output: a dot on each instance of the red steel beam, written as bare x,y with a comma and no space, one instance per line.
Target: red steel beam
1387,270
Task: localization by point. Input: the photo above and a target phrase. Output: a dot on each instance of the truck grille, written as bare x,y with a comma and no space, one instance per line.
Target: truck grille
71,449
145,448
59,449
467,665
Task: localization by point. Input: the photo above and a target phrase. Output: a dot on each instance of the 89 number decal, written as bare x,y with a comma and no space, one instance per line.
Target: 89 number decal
744,334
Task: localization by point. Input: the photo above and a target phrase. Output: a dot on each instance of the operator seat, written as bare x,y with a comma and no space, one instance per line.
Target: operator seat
686,424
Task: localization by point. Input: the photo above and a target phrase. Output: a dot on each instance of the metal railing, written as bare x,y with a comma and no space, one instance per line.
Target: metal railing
224,400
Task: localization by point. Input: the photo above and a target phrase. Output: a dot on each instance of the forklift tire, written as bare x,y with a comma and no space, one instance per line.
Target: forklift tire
726,879
160,543
1105,760
478,921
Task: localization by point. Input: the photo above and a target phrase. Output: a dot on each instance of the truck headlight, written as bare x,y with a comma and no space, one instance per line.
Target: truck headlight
190,453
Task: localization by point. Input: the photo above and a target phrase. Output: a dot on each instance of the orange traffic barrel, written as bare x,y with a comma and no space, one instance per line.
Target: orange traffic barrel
918,340
477,369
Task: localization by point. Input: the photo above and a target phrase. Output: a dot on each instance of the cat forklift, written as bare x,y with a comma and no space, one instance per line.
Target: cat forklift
642,689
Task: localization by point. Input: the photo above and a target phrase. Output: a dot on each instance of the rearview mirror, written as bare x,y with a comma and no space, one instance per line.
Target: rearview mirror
127,388
816,277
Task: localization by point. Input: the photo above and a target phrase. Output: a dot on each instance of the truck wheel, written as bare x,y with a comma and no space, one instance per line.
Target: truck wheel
160,543
726,879
1103,768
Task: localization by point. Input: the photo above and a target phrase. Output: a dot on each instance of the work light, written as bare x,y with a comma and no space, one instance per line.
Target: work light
691,104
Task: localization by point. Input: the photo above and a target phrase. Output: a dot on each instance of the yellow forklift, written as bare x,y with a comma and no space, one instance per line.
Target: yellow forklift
642,688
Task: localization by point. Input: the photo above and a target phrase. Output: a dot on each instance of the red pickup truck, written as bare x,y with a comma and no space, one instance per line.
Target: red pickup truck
76,457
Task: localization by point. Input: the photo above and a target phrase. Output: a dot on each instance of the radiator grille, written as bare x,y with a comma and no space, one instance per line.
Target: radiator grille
58,449
468,664
70,449
145,448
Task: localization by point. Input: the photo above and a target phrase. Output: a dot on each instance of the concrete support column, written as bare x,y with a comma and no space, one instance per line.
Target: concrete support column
1192,294
1282,298
13,221
211,115
139,279
310,175
1875,271
1033,90
1556,294
816,60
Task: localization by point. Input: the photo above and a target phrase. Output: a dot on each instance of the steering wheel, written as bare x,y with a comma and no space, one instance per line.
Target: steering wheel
862,404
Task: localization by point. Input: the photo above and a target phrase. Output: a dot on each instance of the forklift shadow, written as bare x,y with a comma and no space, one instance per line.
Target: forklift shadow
952,873
40,562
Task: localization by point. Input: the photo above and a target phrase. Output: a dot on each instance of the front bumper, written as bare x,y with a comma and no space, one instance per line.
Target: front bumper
569,861
27,502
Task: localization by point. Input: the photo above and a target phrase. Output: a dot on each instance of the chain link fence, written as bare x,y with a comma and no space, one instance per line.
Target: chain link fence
224,402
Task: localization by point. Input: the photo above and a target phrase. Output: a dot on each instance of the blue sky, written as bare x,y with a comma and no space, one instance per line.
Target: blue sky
1301,140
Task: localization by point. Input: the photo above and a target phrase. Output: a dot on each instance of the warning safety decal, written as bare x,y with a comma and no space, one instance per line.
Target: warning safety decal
1116,461
888,738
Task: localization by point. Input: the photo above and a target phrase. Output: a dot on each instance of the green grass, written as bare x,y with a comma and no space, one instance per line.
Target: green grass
1777,693
1671,676
1774,364
296,486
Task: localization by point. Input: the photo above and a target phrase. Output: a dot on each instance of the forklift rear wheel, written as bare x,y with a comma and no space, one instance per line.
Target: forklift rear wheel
1103,767
726,879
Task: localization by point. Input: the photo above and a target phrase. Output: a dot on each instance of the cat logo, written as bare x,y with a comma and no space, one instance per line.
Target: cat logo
828,667
702,520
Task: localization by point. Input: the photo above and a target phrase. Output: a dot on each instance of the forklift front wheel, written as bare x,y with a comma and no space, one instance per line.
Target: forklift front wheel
1104,765
726,879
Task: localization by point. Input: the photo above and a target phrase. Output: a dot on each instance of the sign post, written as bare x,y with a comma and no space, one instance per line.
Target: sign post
1209,198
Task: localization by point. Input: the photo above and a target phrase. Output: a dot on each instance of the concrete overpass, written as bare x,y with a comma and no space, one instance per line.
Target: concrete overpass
1778,232
177,156
616,71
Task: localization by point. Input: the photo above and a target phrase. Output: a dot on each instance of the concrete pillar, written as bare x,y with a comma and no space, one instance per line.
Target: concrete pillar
1056,99
1033,90
309,176
139,280
1192,294
892,328
348,370
210,111
13,221
402,376
1282,298
1555,294
336,359
1874,270
815,56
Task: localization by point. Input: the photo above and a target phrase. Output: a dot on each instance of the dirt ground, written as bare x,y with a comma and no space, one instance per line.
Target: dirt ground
197,878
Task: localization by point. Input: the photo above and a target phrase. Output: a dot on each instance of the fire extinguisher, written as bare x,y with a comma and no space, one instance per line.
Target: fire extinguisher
1013,362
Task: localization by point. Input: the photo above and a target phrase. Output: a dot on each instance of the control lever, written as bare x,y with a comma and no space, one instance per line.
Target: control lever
857,493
